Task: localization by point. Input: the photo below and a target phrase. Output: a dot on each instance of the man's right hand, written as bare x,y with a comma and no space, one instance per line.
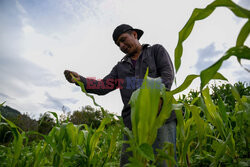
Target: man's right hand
69,77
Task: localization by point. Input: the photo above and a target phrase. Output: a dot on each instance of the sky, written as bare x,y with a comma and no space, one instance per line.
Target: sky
40,39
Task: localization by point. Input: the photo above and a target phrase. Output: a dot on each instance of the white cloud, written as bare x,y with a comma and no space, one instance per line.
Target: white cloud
20,7
28,29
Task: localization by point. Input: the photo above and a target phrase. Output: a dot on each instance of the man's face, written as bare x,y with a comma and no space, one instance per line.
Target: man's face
128,42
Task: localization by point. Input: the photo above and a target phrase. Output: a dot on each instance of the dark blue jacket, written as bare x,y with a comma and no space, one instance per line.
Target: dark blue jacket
128,78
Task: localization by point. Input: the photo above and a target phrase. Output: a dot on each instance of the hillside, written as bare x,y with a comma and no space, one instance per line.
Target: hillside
9,112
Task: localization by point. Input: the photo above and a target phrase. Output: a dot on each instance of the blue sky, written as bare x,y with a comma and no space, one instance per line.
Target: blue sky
40,39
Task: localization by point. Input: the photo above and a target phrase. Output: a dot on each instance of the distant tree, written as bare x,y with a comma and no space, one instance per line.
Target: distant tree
224,92
88,115
23,121
26,123
9,113
217,91
45,123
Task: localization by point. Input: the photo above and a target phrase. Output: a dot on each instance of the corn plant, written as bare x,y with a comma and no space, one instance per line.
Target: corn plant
65,145
239,50
17,142
216,124
144,107
146,119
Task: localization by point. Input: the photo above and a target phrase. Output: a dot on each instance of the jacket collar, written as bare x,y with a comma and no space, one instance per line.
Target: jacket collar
126,58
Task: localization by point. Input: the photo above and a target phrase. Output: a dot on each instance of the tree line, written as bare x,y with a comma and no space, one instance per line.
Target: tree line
86,115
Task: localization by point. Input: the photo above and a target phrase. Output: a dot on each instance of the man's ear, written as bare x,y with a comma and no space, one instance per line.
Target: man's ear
135,34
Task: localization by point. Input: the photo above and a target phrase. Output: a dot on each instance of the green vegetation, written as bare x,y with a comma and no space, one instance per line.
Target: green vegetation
9,112
62,143
209,132
213,124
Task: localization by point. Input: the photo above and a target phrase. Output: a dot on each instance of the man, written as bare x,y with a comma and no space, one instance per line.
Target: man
127,75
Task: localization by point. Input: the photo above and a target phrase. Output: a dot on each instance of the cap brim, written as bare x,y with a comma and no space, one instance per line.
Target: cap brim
139,33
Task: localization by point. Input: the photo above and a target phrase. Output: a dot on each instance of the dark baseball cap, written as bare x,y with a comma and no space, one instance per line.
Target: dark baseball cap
124,28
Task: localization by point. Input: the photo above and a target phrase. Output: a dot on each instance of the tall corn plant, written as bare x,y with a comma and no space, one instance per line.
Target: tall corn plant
92,139
78,145
147,119
65,145
17,143
214,117
144,108
239,50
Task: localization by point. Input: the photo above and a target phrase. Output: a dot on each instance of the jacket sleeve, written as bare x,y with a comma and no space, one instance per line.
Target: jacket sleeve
164,66
103,86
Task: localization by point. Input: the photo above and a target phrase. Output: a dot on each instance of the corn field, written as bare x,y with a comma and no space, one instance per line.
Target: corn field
209,132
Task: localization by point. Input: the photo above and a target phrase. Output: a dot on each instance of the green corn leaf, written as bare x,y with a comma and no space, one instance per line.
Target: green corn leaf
236,94
144,109
199,14
195,100
187,144
37,151
35,133
72,133
222,110
206,75
167,153
145,115
244,33
96,136
221,149
133,162
167,108
91,96
188,124
236,9
113,142
180,124
55,115
59,136
18,141
52,137
80,138
214,116
200,124
18,144
147,151
62,132
188,80
39,154
150,107
212,73
134,107
11,124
